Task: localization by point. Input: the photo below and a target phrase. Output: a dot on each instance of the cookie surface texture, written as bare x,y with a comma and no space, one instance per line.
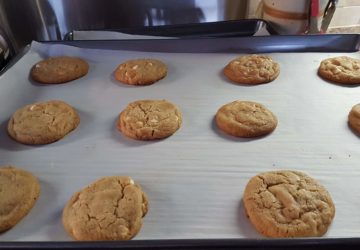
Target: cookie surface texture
149,119
19,191
56,70
342,69
141,71
354,118
110,208
288,204
43,122
245,119
252,69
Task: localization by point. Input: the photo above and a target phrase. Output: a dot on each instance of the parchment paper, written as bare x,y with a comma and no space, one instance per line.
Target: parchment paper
194,179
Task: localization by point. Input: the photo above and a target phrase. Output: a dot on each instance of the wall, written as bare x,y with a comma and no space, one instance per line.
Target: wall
347,12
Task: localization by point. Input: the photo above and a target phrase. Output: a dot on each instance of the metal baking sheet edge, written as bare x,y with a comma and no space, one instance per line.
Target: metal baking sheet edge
229,244
258,44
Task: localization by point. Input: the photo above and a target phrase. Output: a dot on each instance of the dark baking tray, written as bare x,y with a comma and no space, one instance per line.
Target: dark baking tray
232,28
313,43
188,244
258,44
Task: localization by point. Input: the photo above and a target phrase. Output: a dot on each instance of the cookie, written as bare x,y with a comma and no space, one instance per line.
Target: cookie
149,119
342,69
42,122
59,69
252,69
245,119
141,71
354,118
288,204
110,208
19,191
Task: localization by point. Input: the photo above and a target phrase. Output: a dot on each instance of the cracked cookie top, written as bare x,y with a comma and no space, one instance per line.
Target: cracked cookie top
245,119
43,122
19,191
288,204
110,208
252,69
140,71
342,69
60,69
149,119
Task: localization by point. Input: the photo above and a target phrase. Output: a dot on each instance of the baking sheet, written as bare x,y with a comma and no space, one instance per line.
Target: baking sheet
230,28
195,178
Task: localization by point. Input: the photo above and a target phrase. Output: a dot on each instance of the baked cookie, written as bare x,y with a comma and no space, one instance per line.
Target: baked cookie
288,204
354,118
140,71
110,208
342,69
19,191
245,119
42,122
149,119
252,69
59,69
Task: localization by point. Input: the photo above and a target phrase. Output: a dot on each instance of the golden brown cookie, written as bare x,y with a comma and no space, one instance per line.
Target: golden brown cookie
110,208
19,191
140,71
252,69
354,118
43,122
149,119
59,69
288,204
245,119
342,69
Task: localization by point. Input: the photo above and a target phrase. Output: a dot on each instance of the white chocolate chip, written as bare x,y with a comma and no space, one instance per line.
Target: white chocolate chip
153,120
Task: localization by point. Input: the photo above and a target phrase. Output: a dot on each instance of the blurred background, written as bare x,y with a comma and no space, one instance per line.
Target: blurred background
22,21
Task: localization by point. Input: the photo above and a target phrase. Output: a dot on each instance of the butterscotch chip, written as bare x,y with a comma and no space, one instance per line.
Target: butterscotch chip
245,119
252,69
149,119
59,69
288,204
342,69
19,191
140,71
110,208
42,122
354,118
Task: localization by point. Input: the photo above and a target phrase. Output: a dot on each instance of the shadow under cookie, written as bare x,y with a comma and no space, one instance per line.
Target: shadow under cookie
228,137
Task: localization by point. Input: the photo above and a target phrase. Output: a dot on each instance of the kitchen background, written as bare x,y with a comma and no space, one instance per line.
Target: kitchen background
22,21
